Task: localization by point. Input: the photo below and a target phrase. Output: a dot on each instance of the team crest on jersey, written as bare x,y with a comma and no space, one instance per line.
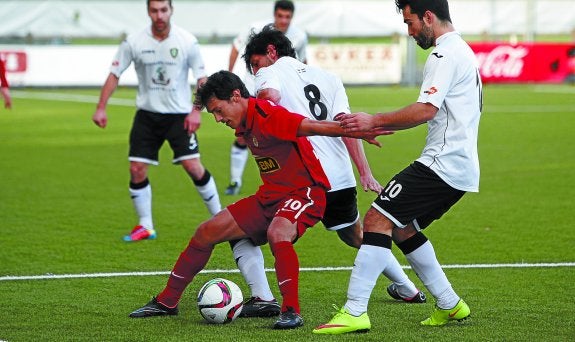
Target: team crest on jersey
161,77
267,164
174,52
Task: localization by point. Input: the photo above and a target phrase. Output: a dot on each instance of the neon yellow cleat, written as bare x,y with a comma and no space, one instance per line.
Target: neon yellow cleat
343,322
441,317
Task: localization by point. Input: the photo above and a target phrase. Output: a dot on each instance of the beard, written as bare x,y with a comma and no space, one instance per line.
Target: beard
425,38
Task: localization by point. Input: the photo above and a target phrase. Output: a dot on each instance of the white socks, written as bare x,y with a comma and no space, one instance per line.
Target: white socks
209,194
142,200
393,271
250,261
369,263
238,159
425,264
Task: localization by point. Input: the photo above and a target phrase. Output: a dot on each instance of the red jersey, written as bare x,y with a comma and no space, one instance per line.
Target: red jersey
3,80
286,161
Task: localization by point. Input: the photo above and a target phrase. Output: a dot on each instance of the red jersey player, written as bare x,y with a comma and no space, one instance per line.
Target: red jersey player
291,199
4,86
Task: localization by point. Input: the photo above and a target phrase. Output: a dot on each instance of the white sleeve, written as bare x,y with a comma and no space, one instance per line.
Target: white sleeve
122,59
437,78
267,79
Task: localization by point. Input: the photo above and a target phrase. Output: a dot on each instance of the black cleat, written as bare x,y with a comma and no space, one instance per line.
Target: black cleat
288,320
233,189
393,293
153,308
257,307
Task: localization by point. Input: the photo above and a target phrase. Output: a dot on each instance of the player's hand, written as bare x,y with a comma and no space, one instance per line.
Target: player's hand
369,135
372,141
355,122
192,121
369,183
100,118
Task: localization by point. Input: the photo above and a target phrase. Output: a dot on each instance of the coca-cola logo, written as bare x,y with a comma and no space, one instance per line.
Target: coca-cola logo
503,61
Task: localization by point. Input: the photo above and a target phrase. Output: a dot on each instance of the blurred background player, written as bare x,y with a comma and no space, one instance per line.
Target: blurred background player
450,103
5,86
162,55
283,15
318,95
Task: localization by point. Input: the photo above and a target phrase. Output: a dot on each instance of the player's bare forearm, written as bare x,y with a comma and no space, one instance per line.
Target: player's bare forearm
192,121
107,90
233,57
333,129
413,115
100,118
357,154
197,103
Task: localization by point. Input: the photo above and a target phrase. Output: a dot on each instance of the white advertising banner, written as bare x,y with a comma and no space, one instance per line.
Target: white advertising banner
87,66
359,63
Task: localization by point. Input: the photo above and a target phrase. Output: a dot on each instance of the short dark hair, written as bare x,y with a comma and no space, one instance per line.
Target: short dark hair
439,7
221,85
258,45
284,5
148,2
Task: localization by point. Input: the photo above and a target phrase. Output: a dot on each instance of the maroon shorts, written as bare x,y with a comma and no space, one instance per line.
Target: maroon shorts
254,214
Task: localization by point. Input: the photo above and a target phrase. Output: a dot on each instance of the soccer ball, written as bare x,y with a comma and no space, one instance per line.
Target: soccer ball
220,301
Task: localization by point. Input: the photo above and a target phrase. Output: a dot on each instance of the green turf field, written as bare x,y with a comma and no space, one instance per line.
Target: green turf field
64,206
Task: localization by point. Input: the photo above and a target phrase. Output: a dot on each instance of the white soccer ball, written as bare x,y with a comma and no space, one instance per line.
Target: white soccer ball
220,301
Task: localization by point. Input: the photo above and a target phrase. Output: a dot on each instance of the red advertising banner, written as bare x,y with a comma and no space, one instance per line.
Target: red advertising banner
526,62
15,61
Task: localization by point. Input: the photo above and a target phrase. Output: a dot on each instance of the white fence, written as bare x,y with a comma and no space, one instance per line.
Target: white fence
213,18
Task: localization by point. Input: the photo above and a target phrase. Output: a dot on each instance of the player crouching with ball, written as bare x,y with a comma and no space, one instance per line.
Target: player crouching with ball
291,199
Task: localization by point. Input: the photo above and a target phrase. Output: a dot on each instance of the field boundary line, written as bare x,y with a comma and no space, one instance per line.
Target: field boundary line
65,97
70,98
304,269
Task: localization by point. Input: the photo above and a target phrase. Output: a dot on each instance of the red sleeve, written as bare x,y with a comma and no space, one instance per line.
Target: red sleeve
3,80
281,123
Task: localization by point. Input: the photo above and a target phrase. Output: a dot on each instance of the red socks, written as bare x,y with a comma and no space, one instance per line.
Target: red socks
287,273
191,261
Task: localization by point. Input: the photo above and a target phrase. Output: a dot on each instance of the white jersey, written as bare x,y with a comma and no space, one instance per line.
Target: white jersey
318,95
162,68
297,37
451,82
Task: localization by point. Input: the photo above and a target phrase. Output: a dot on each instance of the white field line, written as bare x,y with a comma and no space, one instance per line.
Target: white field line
54,96
304,269
543,108
555,89
50,96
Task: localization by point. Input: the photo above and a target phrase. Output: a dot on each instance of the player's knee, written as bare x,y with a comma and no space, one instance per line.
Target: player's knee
194,168
275,235
401,234
138,173
351,236
208,234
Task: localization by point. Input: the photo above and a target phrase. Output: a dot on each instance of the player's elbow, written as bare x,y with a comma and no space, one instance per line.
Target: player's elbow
428,111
